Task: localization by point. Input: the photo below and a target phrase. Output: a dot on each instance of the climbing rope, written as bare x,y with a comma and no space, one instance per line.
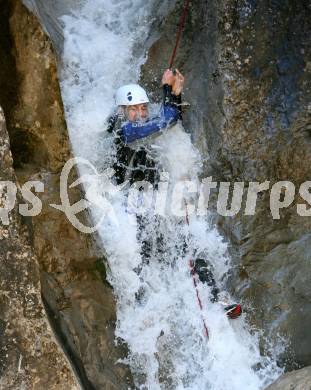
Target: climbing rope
191,262
193,273
180,30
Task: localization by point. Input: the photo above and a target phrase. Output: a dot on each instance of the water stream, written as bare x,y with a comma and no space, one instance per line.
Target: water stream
158,317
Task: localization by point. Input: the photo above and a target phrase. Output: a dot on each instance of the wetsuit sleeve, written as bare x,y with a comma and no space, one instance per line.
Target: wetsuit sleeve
170,99
131,131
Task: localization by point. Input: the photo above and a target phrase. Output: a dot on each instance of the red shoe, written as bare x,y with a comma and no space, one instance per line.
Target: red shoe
233,311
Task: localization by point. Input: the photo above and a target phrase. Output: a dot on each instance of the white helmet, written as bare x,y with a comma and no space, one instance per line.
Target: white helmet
131,94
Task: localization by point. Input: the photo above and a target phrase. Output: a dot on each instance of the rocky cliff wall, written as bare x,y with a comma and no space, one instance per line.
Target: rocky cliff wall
247,65
29,355
78,301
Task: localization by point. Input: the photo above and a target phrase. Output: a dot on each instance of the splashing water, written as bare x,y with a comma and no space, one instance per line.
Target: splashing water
157,312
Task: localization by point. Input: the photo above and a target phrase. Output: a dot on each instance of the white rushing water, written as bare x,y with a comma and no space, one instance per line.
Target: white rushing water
157,310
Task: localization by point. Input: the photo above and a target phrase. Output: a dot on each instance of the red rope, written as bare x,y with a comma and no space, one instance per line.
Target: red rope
180,30
191,265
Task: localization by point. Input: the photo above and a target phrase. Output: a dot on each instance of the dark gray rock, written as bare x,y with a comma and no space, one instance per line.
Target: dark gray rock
247,68
295,380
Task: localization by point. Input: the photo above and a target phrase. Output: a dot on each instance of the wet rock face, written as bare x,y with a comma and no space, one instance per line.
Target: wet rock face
29,356
247,65
36,123
266,136
79,304
296,380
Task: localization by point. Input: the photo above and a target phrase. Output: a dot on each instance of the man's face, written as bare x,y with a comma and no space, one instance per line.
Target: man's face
137,112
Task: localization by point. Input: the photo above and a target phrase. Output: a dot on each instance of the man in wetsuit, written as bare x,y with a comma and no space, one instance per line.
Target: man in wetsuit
132,123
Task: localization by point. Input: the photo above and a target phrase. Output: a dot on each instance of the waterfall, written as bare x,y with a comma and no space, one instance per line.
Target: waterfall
105,42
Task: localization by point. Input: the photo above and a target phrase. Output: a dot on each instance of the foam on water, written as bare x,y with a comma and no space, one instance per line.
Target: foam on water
157,310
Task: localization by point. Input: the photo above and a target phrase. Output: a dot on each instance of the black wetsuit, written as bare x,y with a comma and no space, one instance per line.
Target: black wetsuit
203,270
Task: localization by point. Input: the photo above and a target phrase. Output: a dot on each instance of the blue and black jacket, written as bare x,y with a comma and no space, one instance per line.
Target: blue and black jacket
142,167
169,114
